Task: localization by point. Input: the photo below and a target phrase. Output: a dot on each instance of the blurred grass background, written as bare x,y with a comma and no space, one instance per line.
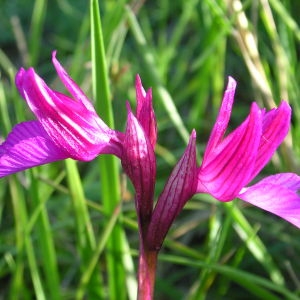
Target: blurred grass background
53,225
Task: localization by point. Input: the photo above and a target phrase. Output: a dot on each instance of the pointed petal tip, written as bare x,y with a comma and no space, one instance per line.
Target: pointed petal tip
284,105
128,107
140,91
138,83
20,71
254,109
193,134
138,78
54,52
19,79
231,83
22,77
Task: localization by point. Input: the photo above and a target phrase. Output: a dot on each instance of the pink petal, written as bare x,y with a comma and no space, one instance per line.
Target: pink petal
145,112
70,85
229,165
179,188
222,121
139,163
278,195
276,124
28,145
72,126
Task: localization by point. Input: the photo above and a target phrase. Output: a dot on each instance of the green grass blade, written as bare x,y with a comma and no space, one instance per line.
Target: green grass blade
45,241
98,251
254,243
6,64
163,94
5,121
219,230
286,17
85,234
109,170
23,242
254,284
37,24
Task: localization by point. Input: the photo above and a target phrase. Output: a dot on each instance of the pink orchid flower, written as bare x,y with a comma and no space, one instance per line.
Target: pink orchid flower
65,127
230,163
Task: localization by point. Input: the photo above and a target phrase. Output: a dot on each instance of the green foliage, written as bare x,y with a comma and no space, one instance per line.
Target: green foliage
58,235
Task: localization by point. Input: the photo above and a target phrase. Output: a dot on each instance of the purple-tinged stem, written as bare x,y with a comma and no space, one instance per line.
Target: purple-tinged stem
146,273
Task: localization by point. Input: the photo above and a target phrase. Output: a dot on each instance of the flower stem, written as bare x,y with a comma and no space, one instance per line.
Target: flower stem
146,275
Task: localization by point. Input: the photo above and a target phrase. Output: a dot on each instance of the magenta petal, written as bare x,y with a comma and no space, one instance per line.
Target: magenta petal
145,112
72,126
228,166
222,121
70,85
276,124
139,163
28,145
19,81
277,194
179,188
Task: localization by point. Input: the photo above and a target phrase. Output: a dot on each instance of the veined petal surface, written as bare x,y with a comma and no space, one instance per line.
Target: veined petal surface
27,146
179,188
145,112
71,86
275,126
229,165
139,163
277,194
223,118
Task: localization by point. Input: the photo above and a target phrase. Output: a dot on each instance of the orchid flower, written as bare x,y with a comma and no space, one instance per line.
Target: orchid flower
231,163
65,127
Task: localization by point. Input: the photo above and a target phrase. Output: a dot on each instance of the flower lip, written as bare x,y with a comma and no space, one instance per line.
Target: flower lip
277,194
